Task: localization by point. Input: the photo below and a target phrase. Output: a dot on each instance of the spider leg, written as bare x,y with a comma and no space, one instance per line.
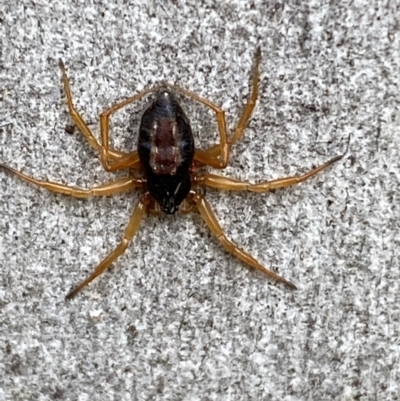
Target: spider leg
215,181
109,188
130,231
212,222
220,157
80,122
130,159
247,110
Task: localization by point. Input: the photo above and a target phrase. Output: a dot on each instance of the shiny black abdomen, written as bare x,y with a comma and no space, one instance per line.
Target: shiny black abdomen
166,150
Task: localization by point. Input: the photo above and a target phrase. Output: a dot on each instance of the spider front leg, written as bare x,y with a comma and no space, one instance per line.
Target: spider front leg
129,159
212,222
221,156
130,231
215,181
80,122
110,188
247,110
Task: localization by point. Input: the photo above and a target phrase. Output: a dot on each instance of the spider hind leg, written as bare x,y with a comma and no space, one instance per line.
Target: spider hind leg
130,231
212,222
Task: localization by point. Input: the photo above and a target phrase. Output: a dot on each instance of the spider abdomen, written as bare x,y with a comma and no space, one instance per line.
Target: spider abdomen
166,150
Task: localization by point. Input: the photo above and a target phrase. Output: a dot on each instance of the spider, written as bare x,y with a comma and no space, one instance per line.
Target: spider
167,167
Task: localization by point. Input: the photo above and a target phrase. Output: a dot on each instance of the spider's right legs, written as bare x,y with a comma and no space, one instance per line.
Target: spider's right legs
219,159
130,231
216,181
247,110
212,222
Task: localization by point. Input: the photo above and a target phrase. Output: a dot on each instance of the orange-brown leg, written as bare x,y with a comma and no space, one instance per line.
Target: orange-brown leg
186,206
220,158
215,181
110,188
248,109
80,122
212,222
154,208
132,159
130,231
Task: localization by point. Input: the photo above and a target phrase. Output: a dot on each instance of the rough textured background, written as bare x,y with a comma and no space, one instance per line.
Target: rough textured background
177,318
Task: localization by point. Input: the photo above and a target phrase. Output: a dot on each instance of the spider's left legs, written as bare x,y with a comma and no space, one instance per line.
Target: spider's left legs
215,181
130,231
212,222
79,121
109,188
128,159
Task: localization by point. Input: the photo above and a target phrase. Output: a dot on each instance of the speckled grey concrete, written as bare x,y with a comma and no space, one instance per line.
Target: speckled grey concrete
177,318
